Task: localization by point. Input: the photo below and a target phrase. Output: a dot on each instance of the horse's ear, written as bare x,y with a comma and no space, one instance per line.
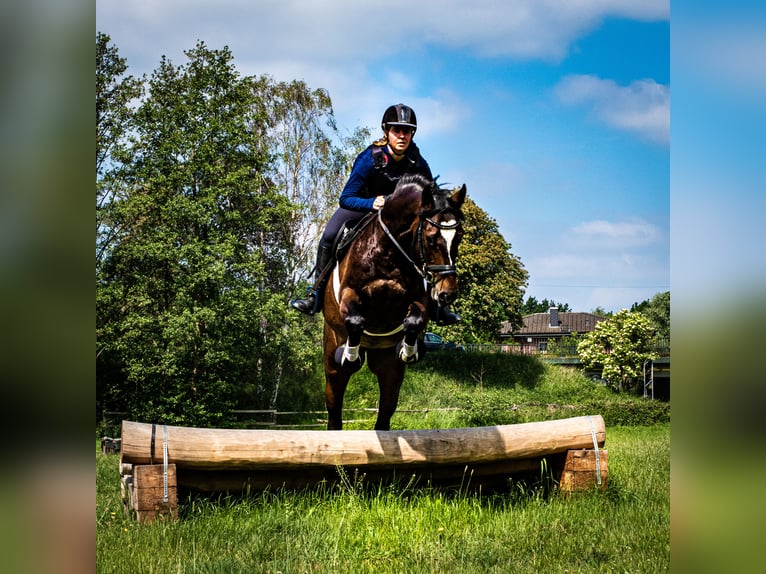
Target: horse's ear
458,195
427,193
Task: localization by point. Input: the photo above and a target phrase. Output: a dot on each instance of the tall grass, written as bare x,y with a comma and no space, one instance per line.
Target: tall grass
399,528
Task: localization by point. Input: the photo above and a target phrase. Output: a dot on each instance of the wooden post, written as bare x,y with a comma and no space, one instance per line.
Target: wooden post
148,494
110,445
582,471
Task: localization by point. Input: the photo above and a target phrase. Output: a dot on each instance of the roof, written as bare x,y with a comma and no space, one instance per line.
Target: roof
539,324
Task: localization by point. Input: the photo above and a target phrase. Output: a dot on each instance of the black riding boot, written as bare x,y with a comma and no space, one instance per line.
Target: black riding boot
313,301
442,315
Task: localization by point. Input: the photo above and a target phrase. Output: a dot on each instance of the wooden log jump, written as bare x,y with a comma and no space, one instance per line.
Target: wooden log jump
236,459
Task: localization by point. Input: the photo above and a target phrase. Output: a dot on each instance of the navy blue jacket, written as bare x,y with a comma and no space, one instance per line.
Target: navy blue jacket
367,180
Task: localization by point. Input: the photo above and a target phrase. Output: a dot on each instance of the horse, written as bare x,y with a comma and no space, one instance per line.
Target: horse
376,305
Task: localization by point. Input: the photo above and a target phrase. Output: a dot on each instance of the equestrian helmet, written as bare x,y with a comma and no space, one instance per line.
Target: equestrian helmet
399,115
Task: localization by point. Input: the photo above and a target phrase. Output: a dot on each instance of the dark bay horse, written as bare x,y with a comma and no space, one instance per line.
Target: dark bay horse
376,304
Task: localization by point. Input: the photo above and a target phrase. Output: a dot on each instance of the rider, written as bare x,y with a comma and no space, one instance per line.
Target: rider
374,175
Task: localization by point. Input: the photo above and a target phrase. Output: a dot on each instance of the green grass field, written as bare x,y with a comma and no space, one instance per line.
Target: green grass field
355,527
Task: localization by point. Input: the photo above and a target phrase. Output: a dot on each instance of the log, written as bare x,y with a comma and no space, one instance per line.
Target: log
238,449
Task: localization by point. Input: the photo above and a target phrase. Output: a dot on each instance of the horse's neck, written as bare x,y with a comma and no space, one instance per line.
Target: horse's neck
402,232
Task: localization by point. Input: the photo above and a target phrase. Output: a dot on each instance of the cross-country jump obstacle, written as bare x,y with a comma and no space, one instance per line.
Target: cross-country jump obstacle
156,460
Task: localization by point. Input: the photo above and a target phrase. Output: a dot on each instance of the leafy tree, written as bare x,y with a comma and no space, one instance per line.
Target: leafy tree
657,310
114,92
492,279
601,312
190,294
532,305
311,162
618,346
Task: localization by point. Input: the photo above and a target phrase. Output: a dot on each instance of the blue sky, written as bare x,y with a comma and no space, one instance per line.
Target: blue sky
556,114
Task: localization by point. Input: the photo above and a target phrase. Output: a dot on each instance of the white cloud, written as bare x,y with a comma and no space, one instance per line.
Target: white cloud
617,235
642,107
535,29
601,263
349,30
341,45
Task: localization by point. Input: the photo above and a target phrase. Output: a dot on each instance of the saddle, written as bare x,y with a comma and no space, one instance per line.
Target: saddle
348,233
343,240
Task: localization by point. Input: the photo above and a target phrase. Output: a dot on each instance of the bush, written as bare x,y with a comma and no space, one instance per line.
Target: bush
637,412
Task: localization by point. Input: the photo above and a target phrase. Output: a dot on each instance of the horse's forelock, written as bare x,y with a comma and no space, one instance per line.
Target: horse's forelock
442,199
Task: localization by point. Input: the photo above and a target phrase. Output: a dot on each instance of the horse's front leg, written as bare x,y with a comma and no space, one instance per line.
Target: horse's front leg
414,323
336,379
348,354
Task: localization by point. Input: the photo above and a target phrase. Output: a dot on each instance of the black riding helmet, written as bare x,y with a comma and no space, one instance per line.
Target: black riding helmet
399,115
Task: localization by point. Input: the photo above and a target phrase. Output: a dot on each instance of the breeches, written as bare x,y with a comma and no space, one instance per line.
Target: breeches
336,223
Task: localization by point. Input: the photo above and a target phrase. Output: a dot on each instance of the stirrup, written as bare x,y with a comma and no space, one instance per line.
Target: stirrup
309,305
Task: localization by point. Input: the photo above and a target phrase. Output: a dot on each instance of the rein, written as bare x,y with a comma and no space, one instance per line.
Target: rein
430,273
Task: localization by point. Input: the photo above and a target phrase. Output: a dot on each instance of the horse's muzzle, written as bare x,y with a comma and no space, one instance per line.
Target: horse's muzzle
447,297
445,290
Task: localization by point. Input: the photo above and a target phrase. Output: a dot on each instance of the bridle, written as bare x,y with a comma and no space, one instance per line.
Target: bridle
431,273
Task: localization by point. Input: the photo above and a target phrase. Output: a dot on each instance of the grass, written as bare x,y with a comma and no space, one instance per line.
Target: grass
495,388
359,528
349,528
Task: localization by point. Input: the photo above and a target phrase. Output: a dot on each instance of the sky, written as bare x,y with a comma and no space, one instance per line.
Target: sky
555,114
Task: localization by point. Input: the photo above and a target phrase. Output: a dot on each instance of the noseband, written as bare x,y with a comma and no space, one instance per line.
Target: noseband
431,273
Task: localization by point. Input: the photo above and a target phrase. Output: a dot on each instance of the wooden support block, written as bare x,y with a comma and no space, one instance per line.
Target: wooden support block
581,472
146,492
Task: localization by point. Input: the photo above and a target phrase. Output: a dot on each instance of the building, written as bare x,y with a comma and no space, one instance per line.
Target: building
540,329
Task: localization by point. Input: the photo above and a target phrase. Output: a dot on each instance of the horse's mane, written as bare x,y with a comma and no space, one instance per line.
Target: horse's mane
414,182
408,180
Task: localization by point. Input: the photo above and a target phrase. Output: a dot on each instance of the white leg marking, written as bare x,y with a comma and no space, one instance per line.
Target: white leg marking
408,351
350,354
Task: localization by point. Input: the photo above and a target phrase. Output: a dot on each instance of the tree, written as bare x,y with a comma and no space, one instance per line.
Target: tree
618,346
191,292
657,310
532,305
601,312
114,92
491,279
311,161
